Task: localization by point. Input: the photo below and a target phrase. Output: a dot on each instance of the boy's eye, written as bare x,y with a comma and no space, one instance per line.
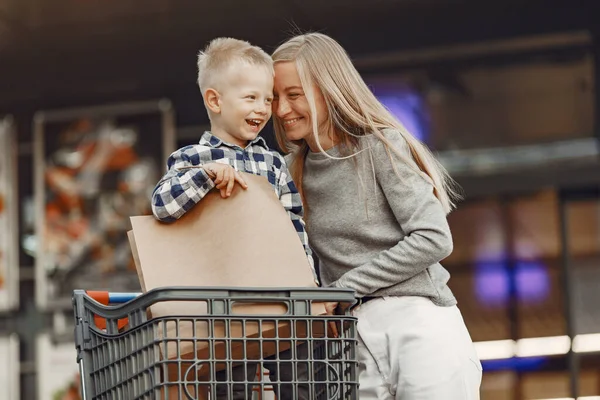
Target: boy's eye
251,97
269,100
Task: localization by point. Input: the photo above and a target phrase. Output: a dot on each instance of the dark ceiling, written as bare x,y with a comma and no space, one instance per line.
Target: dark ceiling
59,53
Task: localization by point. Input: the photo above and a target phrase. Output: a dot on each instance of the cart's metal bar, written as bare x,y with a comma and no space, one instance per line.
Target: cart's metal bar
263,295
82,380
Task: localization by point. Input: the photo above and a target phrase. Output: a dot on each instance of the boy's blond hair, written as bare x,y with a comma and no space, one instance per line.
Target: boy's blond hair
221,53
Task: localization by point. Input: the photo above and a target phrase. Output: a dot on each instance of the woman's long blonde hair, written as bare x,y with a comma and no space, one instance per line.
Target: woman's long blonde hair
353,110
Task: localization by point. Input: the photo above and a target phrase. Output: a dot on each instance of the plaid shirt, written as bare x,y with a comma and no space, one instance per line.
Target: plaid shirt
186,183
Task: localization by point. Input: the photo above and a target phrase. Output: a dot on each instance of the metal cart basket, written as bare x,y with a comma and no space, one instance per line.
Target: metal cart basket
126,354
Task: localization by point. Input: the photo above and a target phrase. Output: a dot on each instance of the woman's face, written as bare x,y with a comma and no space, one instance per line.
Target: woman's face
290,105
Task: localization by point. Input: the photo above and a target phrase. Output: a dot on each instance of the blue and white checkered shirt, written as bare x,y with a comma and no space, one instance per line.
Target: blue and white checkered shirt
185,183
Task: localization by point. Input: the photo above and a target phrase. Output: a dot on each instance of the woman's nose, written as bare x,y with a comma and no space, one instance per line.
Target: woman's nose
283,108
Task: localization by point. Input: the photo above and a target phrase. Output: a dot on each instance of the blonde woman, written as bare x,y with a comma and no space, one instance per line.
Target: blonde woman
376,204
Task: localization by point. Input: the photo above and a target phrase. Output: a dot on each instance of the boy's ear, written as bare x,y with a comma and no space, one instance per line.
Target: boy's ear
212,100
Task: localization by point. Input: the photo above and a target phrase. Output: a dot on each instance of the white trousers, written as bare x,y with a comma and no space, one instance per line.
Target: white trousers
411,349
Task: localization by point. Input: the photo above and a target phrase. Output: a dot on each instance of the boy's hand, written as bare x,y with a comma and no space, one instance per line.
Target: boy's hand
224,177
330,310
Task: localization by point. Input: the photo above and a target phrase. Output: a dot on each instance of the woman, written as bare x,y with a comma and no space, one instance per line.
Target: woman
376,204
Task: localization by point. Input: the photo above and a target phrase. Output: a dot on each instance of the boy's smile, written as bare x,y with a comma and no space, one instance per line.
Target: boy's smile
256,124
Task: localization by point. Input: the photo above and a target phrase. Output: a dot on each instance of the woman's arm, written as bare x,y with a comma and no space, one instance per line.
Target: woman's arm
420,215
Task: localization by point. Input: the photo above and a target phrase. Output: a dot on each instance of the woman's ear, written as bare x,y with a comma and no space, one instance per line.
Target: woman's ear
212,99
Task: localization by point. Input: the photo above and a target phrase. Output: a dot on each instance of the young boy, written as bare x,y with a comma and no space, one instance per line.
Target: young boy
236,81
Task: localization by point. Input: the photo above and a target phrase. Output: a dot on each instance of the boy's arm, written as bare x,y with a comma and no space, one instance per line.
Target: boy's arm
292,202
184,185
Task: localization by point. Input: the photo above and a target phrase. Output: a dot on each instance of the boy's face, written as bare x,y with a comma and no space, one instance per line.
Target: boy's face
245,98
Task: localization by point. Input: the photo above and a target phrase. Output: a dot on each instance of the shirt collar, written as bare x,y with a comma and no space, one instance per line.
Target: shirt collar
210,139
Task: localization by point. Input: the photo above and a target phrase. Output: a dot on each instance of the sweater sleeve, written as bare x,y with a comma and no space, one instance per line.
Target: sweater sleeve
419,213
184,184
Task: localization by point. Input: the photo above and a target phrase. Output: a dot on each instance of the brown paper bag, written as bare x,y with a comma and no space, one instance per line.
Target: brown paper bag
246,240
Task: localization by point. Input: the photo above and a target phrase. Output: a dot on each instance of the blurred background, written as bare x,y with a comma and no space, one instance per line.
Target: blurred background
95,94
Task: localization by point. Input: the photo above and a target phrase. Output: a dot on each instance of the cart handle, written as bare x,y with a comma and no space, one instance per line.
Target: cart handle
105,297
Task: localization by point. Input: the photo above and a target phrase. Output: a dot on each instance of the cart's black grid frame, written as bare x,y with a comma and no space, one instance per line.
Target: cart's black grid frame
128,363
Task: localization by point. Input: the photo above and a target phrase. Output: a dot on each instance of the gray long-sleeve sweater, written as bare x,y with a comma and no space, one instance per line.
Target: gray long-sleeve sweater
385,237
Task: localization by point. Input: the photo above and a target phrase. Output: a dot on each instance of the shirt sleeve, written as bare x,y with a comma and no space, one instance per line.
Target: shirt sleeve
292,202
184,184
419,213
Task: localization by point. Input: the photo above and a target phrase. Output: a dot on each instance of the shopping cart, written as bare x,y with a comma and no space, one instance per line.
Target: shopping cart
126,354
